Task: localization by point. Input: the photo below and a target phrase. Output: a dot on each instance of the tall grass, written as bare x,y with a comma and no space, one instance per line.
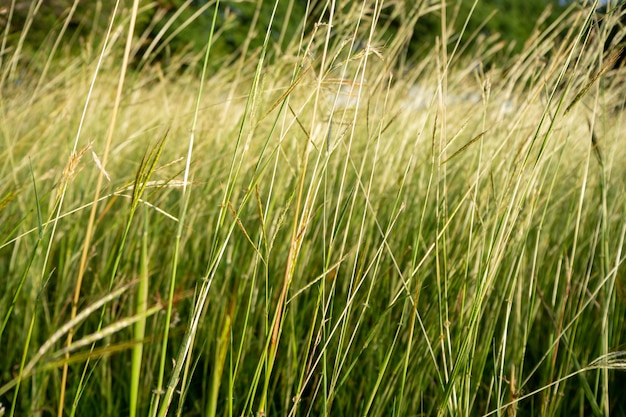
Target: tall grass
326,228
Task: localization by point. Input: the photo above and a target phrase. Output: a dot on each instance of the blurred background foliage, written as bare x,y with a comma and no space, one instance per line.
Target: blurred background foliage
168,27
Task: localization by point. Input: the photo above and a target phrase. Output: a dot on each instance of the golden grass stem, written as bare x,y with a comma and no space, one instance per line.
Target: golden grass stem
92,216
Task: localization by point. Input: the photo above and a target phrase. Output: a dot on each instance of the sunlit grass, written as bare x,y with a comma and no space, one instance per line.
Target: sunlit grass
326,230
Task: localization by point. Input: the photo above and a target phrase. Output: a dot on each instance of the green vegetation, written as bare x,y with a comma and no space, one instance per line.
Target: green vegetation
167,27
313,224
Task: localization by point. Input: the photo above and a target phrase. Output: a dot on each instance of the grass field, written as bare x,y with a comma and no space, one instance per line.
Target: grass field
324,229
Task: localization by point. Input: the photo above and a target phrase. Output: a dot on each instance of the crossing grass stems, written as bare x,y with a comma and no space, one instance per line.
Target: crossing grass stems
292,234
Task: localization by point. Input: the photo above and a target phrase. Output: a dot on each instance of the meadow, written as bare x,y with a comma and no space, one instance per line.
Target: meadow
327,228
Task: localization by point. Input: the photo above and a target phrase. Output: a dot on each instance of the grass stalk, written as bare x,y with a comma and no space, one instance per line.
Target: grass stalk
155,406
92,216
139,331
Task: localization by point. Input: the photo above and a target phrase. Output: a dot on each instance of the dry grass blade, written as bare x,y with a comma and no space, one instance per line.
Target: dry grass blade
107,331
287,92
243,229
69,170
596,145
464,147
608,64
96,160
612,360
67,327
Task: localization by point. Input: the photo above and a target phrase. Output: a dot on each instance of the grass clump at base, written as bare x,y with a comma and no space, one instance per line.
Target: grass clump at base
327,230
